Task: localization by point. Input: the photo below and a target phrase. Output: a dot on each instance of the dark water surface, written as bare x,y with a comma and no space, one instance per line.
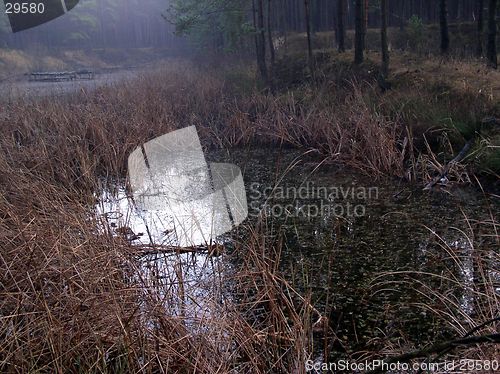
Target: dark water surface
22,88
342,229
343,232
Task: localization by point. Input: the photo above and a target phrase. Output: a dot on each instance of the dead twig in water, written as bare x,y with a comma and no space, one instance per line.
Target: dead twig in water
461,155
440,347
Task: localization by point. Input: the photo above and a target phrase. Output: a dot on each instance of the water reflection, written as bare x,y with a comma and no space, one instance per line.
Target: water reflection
466,271
169,177
335,256
186,285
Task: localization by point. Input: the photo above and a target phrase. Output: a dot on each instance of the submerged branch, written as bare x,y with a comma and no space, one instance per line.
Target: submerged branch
461,155
440,347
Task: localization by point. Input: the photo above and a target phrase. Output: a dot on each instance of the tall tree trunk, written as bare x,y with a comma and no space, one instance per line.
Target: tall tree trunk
270,33
285,25
480,27
492,34
341,9
260,45
365,15
385,44
360,33
402,14
309,43
443,21
271,46
430,14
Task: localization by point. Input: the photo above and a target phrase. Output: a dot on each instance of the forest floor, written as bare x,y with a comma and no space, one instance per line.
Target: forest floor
441,103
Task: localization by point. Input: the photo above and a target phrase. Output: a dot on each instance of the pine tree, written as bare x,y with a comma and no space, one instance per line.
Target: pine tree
480,27
443,21
309,42
260,40
492,34
360,33
341,9
384,43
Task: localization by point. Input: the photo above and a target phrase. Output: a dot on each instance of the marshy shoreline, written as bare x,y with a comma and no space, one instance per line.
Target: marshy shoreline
70,298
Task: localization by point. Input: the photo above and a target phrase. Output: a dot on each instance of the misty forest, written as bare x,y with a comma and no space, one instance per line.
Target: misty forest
249,186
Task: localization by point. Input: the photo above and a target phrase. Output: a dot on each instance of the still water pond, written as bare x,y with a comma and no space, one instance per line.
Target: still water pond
340,230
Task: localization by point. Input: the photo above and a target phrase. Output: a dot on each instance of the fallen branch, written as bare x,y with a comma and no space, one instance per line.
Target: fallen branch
440,347
143,250
488,121
474,330
446,169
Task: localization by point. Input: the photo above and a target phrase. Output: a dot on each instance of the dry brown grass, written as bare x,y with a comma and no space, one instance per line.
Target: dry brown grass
69,299
473,76
464,295
104,126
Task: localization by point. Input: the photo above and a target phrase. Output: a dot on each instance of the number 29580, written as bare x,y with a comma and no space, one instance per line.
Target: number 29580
24,8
